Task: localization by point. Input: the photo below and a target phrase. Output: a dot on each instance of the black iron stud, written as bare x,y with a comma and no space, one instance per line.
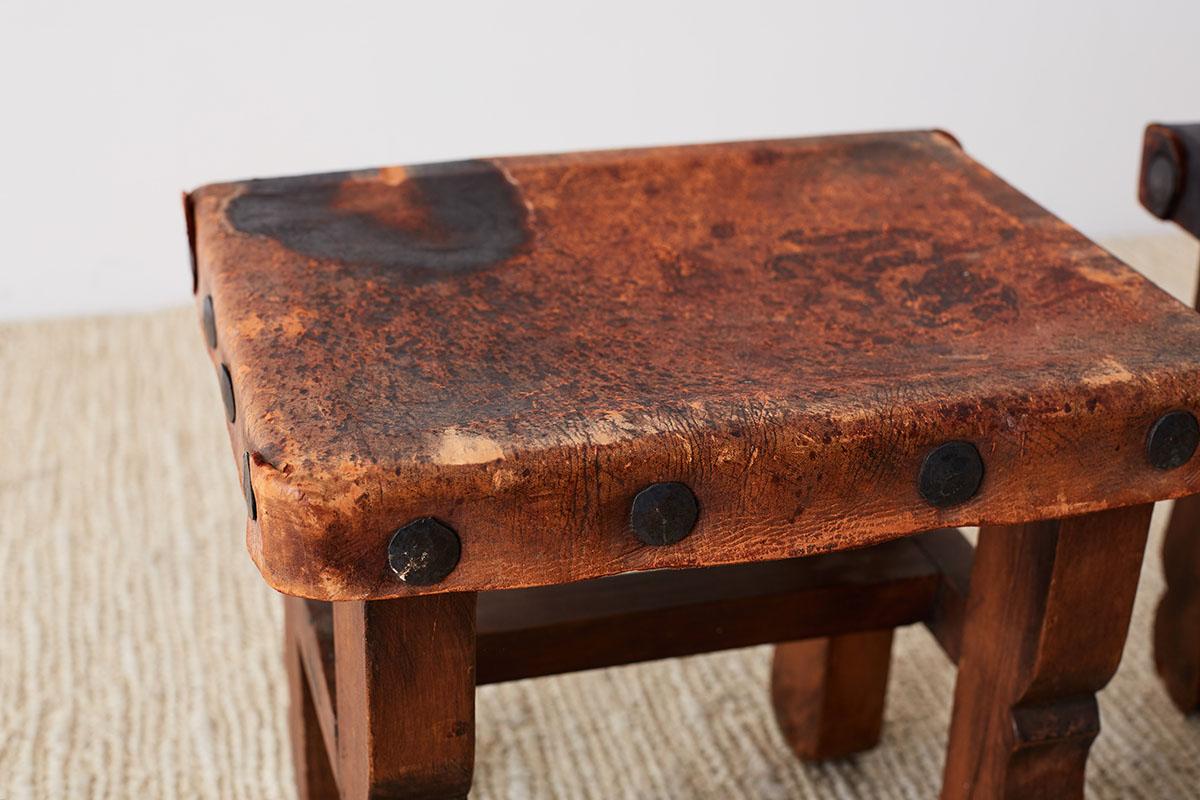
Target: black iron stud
226,381
663,513
248,487
210,321
1162,183
424,552
1172,440
950,474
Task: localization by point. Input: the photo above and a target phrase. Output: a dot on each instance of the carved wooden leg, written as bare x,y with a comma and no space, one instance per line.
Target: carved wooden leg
1177,623
829,693
314,775
1047,614
405,696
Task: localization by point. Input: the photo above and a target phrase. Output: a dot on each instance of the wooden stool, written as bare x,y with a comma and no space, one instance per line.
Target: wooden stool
475,404
1170,189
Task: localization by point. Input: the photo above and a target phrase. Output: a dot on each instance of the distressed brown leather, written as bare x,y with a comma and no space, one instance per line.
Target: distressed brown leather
516,346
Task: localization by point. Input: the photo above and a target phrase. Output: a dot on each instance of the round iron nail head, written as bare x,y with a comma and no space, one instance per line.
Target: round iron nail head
663,513
210,322
1162,183
226,381
424,552
248,487
1172,440
950,474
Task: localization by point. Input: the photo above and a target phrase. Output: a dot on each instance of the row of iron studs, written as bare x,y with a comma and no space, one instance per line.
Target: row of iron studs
426,551
225,381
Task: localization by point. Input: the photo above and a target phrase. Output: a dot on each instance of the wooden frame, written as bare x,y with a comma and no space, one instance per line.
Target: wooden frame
383,691
468,399
1044,627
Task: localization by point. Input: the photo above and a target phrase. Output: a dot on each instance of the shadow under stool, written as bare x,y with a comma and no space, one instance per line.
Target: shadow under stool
510,417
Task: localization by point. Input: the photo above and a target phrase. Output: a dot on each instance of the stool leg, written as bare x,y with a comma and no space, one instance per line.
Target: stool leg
314,775
1046,620
405,676
829,693
1177,622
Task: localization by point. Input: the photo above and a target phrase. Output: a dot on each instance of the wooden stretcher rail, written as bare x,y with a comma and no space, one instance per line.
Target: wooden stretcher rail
524,633
644,616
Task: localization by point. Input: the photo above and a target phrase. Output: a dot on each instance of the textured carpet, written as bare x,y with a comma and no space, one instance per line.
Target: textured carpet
140,651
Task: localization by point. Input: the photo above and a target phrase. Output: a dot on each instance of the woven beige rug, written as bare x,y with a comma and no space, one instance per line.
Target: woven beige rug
140,651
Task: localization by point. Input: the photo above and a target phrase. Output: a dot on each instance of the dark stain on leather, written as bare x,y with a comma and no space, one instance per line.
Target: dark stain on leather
427,223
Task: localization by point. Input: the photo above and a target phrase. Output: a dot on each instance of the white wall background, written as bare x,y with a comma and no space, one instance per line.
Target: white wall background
108,110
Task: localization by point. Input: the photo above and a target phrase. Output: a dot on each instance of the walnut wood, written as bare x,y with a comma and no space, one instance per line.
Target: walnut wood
315,778
1046,621
309,626
517,346
952,555
523,633
638,617
829,693
405,674
1177,621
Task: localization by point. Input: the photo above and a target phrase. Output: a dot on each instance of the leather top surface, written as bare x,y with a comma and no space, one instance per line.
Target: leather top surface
516,346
